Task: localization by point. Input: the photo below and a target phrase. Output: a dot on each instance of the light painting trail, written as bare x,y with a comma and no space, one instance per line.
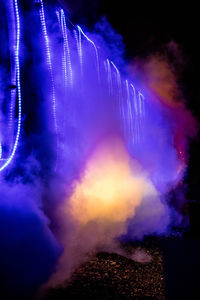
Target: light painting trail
86,147
64,60
18,80
66,47
109,74
79,48
49,63
126,115
95,48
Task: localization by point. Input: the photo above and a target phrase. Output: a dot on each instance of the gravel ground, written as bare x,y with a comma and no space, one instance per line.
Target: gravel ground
115,276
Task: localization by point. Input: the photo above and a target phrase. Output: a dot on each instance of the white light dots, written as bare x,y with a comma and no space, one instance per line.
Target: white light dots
17,63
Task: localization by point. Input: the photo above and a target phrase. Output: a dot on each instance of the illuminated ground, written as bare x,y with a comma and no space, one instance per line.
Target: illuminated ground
113,276
172,274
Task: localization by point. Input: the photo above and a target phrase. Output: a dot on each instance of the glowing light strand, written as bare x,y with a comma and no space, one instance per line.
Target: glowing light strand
79,48
109,74
118,74
66,47
129,110
136,121
119,84
49,63
108,62
13,65
17,62
13,93
95,48
134,99
64,57
142,106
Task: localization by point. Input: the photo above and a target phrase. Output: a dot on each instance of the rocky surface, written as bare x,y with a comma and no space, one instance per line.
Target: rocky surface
116,276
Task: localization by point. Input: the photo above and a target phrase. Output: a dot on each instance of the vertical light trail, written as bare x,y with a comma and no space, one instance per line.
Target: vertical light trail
129,109
141,99
137,119
58,16
142,107
49,63
105,67
109,74
64,57
121,104
95,48
119,84
12,38
0,151
18,82
13,95
141,104
66,47
134,99
79,49
106,73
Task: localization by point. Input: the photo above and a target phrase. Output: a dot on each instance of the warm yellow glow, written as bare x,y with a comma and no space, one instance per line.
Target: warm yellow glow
161,78
106,196
109,190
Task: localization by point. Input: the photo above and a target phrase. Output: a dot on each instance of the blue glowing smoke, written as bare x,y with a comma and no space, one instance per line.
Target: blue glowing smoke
61,96
130,102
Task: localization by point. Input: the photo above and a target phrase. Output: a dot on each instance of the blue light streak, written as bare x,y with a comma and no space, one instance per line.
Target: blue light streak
134,99
119,81
67,56
131,103
18,81
49,63
119,84
79,48
13,96
64,58
95,48
129,109
13,93
137,130
142,105
109,74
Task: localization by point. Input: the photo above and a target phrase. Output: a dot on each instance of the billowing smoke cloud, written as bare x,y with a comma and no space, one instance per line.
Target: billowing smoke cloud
159,74
161,78
121,187
111,188
108,151
29,250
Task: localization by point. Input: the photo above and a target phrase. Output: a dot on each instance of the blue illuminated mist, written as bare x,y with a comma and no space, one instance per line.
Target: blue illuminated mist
61,99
